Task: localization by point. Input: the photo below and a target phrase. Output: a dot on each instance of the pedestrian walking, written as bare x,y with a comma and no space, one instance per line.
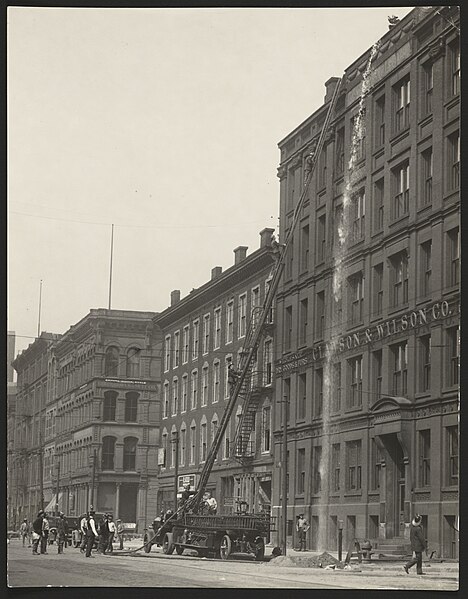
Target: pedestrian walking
103,531
418,545
24,530
83,527
112,530
37,532
120,531
91,533
302,526
45,533
62,532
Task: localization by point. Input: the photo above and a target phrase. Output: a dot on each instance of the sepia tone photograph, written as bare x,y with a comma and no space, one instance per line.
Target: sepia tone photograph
233,297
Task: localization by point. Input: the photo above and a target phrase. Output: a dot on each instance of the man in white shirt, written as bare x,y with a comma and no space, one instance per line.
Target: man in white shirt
83,526
211,503
91,533
45,534
112,531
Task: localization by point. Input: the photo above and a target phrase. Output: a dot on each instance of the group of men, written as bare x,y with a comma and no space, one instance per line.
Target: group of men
40,533
103,532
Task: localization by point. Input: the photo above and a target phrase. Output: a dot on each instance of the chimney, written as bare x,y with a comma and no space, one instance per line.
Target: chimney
330,88
216,271
265,237
175,297
240,253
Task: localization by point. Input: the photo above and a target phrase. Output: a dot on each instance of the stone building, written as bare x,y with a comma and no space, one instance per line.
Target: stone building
204,333
368,348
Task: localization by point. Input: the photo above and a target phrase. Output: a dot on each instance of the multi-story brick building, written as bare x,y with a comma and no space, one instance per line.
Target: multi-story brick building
103,414
203,333
372,375
10,423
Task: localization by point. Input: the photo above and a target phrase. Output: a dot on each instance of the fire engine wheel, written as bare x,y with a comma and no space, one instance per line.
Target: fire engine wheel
146,541
259,549
225,547
179,549
168,544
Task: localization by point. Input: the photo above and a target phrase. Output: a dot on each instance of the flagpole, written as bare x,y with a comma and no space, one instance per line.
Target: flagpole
110,269
39,314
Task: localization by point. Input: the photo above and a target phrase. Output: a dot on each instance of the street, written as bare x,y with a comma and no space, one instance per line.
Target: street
158,570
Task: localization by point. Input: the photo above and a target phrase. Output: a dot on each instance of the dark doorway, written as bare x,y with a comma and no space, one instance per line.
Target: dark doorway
128,502
396,487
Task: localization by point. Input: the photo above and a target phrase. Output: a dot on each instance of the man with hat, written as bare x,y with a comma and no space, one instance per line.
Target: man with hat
418,545
91,533
62,532
302,526
24,530
112,530
37,532
120,531
103,532
45,533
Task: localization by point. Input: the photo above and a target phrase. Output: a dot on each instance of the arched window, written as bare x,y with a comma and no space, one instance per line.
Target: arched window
112,361
108,452
133,362
108,411
131,406
129,453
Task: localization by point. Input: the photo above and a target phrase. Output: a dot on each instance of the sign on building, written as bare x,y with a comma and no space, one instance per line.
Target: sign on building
186,479
161,456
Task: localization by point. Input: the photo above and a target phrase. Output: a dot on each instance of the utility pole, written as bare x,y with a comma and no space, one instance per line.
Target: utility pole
175,440
93,477
110,269
41,474
57,466
284,463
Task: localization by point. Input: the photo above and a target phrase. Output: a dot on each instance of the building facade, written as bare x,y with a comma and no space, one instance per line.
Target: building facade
102,416
367,340
204,333
10,422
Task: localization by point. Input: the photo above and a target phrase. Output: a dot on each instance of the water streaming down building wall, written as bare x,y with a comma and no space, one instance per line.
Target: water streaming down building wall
375,371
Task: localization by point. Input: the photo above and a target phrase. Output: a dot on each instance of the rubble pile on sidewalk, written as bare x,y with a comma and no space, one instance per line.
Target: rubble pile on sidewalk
323,560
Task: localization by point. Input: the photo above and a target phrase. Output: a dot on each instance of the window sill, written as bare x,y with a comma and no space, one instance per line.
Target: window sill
451,194
395,309
423,208
400,135
378,232
354,409
449,488
378,150
423,489
425,119
399,221
423,395
353,493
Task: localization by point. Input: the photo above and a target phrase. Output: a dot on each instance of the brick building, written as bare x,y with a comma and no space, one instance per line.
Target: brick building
203,333
368,349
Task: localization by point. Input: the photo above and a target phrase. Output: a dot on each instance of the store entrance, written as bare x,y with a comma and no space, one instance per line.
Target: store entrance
396,486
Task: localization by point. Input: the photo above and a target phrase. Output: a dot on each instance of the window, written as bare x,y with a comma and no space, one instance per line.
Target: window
377,373
288,269
336,462
355,394
424,458
318,395
426,177
356,288
214,428
193,442
291,186
217,328
185,340
266,429
175,396
380,121
428,79
353,455
242,315
376,465
454,161
452,454
358,136
426,268
286,398
216,381
340,154
300,471
301,396
400,278
453,251
402,104
129,453
183,407
288,327
203,446
111,363
378,289
425,352
305,240
108,412
455,66
204,397
167,353
108,452
195,340
322,170
378,205
206,333
131,406
176,348
227,387
453,345
401,194
166,400
316,475
358,215
321,239
400,368
194,390
182,445
268,361
320,314
303,321
227,445
336,405
229,321
133,362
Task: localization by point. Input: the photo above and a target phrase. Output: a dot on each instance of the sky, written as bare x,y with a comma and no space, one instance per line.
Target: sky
163,122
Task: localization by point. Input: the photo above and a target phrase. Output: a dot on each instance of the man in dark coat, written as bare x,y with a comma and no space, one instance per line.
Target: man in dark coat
103,534
91,533
418,545
37,532
62,532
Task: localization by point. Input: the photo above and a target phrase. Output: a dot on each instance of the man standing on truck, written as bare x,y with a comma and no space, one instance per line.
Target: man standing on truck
211,504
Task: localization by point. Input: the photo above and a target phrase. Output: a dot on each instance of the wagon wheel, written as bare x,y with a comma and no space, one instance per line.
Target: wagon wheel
179,549
259,549
168,544
147,542
225,547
